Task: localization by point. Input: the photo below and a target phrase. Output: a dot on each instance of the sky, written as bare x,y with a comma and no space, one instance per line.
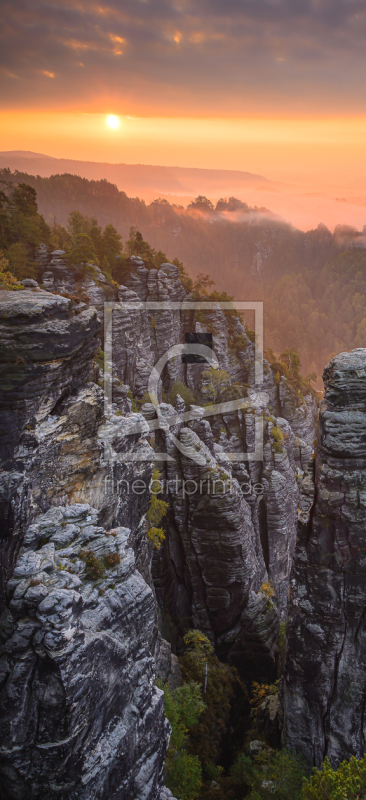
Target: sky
275,87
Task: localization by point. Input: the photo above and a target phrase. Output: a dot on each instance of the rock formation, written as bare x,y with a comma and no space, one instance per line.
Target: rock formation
80,715
324,692
80,606
79,649
223,545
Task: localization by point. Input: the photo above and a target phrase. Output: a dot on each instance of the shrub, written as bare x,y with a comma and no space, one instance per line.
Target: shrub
282,635
214,383
156,536
185,779
259,693
94,569
277,438
348,782
100,358
206,736
278,776
8,282
267,588
179,388
157,510
183,707
111,560
242,771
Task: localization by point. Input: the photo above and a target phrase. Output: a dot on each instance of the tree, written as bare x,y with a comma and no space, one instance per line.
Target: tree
23,199
201,203
137,245
348,781
110,245
77,224
156,511
214,382
18,262
183,708
83,251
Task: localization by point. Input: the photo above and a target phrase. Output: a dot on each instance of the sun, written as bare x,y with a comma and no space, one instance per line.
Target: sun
112,121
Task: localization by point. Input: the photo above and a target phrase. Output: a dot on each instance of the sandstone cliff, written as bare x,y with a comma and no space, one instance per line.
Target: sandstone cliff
80,644
324,691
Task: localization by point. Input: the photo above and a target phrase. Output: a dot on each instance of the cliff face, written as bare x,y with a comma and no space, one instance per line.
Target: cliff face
79,638
80,715
223,542
324,691
72,617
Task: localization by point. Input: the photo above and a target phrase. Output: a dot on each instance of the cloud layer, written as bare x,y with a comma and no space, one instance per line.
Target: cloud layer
185,56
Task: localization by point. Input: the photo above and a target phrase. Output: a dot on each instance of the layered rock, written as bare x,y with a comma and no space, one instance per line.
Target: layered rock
229,543
263,520
324,691
80,648
80,714
47,346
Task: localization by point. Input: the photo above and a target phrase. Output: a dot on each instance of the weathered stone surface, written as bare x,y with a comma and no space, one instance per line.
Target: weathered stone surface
82,654
47,344
210,561
324,691
77,656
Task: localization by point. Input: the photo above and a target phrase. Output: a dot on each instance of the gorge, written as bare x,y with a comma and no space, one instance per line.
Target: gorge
265,556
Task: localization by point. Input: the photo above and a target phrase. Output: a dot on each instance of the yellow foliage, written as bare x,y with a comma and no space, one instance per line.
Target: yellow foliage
156,536
277,438
157,510
259,693
8,282
267,588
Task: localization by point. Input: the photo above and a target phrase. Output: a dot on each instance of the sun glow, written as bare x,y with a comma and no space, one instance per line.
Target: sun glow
112,121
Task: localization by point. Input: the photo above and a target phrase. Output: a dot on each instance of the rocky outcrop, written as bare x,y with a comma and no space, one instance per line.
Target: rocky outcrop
47,346
80,714
324,692
220,593
79,632
88,282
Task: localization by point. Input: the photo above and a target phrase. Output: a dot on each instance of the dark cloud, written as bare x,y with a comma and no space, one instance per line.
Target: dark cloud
203,54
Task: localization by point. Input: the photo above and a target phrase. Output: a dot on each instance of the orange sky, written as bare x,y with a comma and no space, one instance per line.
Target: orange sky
329,153
274,87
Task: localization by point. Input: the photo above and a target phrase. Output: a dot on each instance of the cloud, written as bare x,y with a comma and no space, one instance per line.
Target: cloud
213,56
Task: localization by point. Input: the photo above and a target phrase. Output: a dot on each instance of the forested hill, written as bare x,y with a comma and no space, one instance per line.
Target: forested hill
313,283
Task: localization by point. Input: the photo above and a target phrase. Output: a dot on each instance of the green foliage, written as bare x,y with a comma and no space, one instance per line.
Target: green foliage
197,643
278,776
282,634
7,279
99,357
183,707
179,388
277,438
348,782
243,771
185,777
18,262
214,384
250,334
83,251
157,510
134,405
22,229
205,738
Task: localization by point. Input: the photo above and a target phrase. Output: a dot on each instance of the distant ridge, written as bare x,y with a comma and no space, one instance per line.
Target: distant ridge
143,179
